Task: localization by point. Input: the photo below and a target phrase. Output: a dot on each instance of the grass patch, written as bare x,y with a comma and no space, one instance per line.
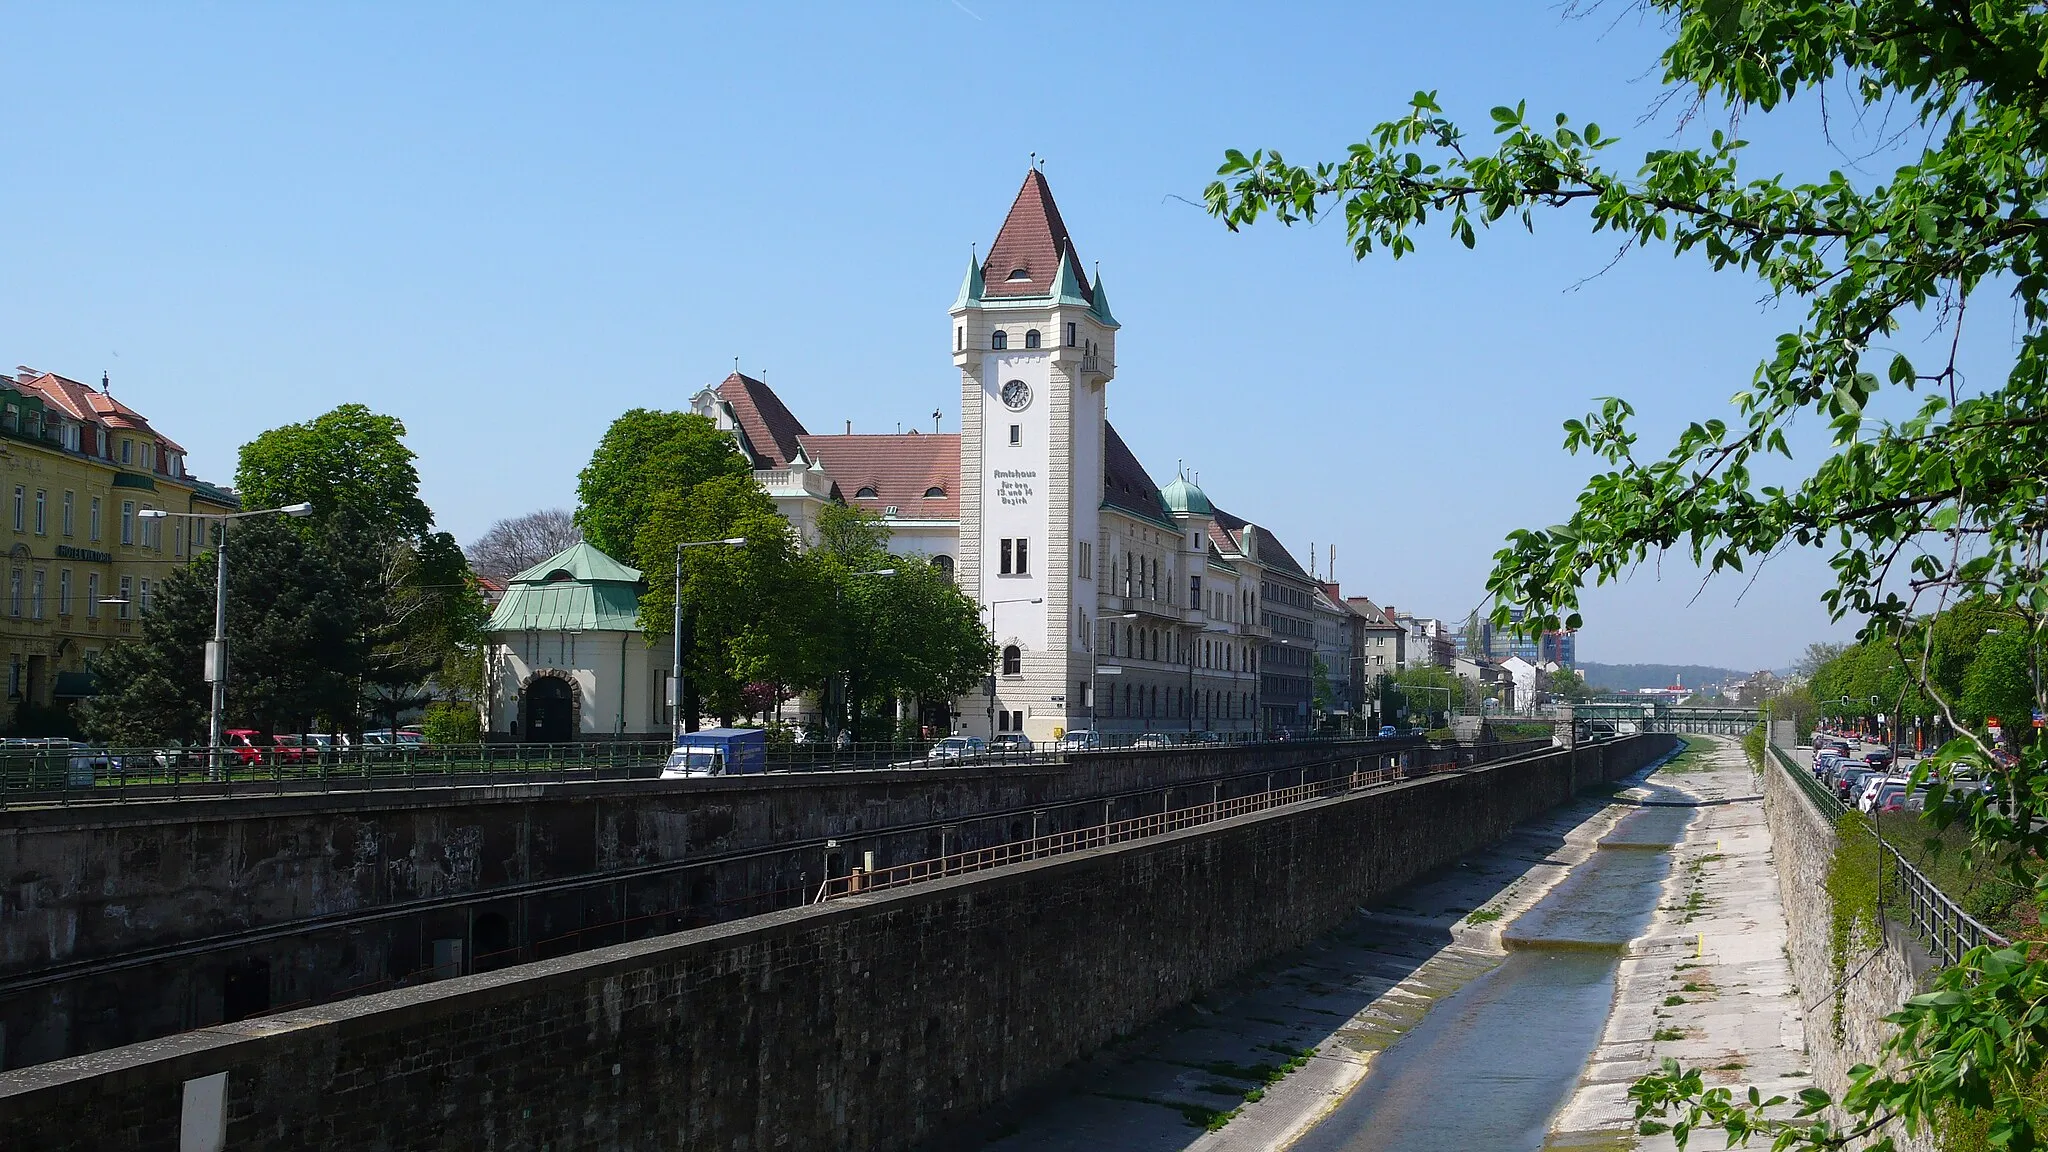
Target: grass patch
1484,916
1690,986
1673,1001
1691,758
1668,1034
1731,1066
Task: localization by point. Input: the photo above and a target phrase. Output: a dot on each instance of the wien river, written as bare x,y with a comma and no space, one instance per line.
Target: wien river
1489,1067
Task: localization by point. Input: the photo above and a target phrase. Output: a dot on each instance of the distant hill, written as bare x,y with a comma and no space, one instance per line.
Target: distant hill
1629,677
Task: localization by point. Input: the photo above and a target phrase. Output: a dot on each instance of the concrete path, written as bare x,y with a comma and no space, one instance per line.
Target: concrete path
1709,982
1256,1064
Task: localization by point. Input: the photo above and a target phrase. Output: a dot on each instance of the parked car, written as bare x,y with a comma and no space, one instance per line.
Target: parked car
1081,740
245,745
717,752
1879,757
1388,731
289,750
1153,740
1011,742
957,748
1208,738
1849,780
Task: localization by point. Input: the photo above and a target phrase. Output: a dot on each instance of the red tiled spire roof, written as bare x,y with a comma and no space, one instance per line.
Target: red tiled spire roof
1033,238
771,430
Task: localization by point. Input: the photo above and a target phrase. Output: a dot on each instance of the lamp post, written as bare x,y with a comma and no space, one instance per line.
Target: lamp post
1194,653
995,669
675,675
217,648
1095,668
850,710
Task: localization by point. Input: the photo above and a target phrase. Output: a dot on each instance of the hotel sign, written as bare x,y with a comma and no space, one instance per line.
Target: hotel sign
91,555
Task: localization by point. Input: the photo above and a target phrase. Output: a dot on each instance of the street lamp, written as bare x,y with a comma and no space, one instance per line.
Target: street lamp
1106,670
675,675
850,711
217,648
994,669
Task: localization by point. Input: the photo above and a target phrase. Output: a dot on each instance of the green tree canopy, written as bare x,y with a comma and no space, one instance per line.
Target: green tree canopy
348,459
647,456
1946,505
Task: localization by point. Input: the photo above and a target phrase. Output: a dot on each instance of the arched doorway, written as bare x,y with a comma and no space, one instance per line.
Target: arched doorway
550,711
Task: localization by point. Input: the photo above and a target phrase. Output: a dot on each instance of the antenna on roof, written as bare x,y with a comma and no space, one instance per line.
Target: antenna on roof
937,415
735,365
106,383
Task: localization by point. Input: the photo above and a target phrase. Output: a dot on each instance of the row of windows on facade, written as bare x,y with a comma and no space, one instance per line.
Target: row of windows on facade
1149,643
66,433
1285,594
132,592
999,340
867,491
1150,701
134,530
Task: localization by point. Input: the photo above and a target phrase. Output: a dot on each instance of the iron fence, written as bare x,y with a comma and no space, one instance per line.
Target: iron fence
56,772
1936,920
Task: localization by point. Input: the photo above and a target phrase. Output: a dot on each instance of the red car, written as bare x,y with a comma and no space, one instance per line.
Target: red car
248,746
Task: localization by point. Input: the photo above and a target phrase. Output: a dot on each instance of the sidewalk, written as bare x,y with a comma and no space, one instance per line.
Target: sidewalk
1710,982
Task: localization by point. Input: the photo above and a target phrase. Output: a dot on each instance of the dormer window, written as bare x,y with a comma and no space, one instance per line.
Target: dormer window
1031,338
935,493
999,340
866,493
1020,274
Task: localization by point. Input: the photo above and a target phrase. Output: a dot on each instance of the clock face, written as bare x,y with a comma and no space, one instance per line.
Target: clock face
1016,395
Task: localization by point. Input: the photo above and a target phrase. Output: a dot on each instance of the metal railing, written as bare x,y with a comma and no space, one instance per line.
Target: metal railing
1938,921
62,773
1103,835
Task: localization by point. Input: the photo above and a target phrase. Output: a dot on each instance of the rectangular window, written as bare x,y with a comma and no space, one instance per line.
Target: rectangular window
1194,591
92,595
1070,334
67,513
20,508
959,338
64,592
42,512
14,593
127,597
127,451
35,595
93,520
1023,556
1006,569
14,676
143,603
1084,560
127,521
180,537
1016,434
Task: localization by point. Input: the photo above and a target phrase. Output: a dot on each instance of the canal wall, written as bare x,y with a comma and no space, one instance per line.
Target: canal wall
1846,998
119,923
875,1022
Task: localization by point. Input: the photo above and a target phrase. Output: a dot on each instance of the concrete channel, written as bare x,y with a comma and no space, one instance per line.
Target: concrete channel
1505,1003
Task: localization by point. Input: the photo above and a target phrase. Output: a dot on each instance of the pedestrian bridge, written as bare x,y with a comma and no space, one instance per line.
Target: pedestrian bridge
1632,716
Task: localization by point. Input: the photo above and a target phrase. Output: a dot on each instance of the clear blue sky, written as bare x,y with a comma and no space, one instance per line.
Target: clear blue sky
508,223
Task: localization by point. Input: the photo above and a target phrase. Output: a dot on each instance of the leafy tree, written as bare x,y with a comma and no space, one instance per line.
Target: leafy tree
1440,691
1944,506
350,458
291,651
513,545
645,457
1565,684
1319,685
1817,654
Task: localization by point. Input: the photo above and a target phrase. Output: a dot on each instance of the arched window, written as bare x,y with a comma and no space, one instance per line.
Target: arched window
1013,661
1031,338
935,493
945,566
999,340
1020,274
867,492
1127,639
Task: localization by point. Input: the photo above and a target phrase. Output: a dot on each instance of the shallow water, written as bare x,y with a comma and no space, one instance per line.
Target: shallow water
1487,1069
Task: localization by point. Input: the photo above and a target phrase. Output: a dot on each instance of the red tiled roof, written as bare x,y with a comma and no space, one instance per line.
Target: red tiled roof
1125,483
771,430
1272,553
83,402
1032,237
900,468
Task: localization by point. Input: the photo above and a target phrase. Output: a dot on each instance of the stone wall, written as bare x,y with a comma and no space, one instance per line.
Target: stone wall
120,923
1879,975
875,1022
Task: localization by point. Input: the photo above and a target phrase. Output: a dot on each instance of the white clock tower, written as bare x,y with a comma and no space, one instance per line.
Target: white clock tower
1036,347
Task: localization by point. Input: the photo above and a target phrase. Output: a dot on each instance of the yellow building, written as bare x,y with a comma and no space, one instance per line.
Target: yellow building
76,466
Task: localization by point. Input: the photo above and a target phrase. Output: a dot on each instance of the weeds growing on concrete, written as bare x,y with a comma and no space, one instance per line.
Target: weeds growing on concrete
1668,1034
1484,916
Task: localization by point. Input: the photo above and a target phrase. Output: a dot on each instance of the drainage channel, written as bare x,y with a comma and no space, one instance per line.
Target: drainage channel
1491,1065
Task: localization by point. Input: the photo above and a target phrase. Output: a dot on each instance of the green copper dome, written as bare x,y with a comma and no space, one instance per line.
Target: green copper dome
1184,497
